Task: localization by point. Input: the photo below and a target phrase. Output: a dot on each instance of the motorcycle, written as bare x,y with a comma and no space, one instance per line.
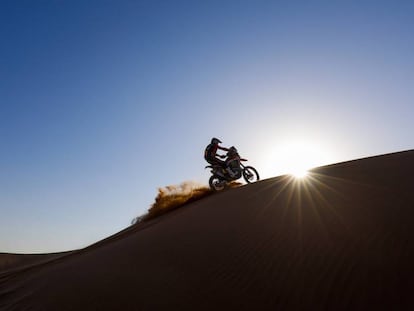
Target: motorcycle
220,177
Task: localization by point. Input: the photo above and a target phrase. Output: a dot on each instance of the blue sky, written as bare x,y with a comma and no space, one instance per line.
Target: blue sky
102,102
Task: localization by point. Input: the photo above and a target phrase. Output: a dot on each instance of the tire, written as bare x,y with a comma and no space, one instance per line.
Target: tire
250,174
217,183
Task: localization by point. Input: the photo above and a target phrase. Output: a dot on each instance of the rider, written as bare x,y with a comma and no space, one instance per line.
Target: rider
210,153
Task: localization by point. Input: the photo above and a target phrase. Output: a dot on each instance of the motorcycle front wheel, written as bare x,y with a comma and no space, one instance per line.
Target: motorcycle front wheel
217,183
250,174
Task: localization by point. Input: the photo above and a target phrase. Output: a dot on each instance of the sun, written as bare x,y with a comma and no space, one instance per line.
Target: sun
299,173
297,157
297,164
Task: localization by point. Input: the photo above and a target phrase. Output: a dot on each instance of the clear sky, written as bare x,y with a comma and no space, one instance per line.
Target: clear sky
102,102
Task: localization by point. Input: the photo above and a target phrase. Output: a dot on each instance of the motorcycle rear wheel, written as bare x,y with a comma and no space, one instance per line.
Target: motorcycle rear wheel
250,174
217,183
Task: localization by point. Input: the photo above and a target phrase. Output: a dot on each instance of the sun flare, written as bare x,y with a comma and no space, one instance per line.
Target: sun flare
300,173
297,157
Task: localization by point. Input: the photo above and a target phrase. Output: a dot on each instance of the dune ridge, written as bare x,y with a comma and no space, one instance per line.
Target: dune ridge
339,240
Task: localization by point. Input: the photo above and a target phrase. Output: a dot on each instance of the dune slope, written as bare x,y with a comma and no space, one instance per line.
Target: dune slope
341,239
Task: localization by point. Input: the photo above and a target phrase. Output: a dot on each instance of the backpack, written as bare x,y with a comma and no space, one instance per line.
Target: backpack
208,153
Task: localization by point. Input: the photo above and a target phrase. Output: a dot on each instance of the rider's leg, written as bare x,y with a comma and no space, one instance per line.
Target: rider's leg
219,163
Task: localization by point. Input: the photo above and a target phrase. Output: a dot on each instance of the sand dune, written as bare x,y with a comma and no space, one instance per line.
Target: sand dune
18,261
340,240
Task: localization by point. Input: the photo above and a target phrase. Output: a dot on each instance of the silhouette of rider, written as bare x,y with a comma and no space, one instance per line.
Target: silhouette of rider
210,153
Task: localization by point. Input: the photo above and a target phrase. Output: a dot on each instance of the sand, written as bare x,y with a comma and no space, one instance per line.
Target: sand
339,240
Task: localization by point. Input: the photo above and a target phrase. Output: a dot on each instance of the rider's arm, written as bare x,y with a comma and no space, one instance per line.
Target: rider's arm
222,148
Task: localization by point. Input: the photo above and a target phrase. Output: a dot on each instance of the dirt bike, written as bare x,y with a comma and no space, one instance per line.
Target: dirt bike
220,178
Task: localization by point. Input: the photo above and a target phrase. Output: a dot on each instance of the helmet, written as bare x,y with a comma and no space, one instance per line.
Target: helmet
215,141
233,149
